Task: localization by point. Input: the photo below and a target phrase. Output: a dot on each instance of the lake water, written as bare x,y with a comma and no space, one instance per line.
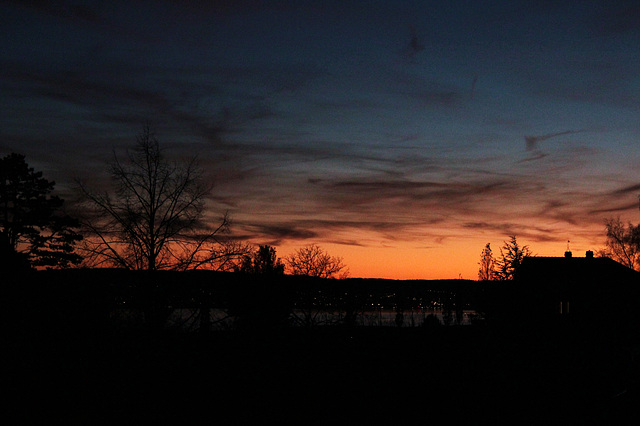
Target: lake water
189,319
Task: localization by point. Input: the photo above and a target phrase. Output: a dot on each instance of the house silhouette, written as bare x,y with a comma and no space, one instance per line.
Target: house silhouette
579,287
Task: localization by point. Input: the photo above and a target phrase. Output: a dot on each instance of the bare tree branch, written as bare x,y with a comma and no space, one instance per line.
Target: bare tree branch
314,262
154,219
623,243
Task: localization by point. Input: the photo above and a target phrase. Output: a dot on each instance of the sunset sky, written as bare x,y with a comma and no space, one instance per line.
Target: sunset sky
401,136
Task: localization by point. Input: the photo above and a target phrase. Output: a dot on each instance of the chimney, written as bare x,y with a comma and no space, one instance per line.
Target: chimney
589,254
567,254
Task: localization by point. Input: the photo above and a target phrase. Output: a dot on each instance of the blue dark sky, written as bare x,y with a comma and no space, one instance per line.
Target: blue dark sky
402,136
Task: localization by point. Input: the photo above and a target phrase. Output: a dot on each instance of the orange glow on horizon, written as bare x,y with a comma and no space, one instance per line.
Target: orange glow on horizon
452,259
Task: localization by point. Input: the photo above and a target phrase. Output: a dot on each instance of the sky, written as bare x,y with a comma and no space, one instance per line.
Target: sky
401,136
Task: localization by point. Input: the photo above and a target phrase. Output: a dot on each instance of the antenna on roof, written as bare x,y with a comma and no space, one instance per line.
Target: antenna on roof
568,245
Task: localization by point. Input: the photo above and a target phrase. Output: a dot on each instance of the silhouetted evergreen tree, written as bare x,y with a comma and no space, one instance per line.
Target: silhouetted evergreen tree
261,301
511,255
34,230
262,261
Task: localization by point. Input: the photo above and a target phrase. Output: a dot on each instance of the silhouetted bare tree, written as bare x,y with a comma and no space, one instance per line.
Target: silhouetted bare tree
154,218
34,231
487,270
511,256
312,261
623,243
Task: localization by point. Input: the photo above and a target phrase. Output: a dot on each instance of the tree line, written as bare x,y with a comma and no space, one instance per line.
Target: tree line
152,217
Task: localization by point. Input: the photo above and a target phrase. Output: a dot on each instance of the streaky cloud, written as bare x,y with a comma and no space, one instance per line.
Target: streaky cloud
627,189
532,141
616,209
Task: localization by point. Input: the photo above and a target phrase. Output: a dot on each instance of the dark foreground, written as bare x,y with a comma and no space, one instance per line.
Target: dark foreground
475,375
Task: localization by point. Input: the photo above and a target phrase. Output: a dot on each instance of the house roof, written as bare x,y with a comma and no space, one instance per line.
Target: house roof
576,269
